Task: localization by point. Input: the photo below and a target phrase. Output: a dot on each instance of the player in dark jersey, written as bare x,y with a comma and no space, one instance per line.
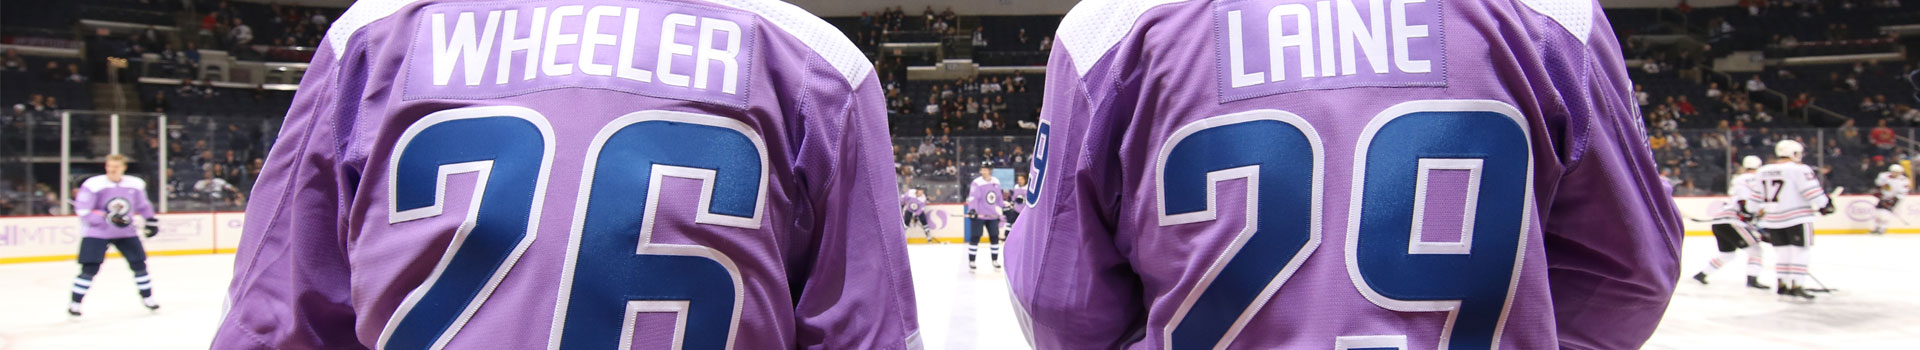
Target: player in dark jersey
108,205
577,174
1342,174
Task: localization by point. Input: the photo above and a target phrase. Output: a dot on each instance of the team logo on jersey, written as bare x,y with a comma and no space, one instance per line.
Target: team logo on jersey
119,206
1266,47
1037,173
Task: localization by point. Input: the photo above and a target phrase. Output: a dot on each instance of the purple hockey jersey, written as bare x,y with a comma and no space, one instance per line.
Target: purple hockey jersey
983,198
912,204
577,174
99,199
1341,174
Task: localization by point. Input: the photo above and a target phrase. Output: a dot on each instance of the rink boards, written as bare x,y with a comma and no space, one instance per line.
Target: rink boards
54,238
1853,214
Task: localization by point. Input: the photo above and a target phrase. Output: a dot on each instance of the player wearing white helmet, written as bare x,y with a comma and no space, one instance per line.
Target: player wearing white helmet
1730,228
1790,197
1890,186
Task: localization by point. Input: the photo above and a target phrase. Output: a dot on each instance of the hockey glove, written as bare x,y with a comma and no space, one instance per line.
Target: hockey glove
119,220
1827,210
152,228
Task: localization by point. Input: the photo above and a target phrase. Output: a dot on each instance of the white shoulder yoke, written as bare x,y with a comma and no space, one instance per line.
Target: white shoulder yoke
1576,16
1093,27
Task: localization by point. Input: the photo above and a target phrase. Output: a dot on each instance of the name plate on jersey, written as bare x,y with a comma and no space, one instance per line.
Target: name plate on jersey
1267,47
499,49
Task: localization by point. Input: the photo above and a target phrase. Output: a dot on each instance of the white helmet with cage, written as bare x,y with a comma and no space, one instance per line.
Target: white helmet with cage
1751,162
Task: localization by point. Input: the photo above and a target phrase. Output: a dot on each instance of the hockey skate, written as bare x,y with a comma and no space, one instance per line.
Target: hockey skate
1753,282
73,309
1702,277
150,304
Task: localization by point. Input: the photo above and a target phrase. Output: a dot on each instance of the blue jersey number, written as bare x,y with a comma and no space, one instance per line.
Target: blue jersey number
610,237
1481,143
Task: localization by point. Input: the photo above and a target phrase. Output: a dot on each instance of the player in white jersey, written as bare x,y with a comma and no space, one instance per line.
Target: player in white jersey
1790,198
1891,185
1730,228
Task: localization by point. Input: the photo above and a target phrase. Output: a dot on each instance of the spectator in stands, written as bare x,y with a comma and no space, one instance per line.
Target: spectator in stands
1685,107
1760,113
37,103
1801,102
73,73
159,103
240,36
1882,137
1713,90
1907,114
54,72
13,62
1755,85
1867,105
980,36
1849,133
1046,43
218,189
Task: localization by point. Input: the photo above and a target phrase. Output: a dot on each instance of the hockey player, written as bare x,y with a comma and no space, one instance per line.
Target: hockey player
1730,228
1287,174
983,211
1017,204
913,206
1890,186
1790,198
577,174
108,205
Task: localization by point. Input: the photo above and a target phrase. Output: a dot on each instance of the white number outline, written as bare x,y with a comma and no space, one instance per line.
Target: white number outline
1252,175
1358,190
483,169
646,246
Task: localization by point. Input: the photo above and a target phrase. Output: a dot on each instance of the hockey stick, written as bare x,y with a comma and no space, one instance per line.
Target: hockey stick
1823,285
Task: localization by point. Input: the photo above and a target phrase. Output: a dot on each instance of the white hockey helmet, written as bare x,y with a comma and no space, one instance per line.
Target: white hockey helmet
1788,149
1751,162
1897,169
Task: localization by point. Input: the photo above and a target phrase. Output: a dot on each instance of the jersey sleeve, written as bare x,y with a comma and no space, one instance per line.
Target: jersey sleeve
858,289
1810,189
290,278
1612,235
1071,285
86,205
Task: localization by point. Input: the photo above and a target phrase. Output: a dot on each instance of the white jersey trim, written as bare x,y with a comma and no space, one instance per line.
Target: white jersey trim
812,31
100,182
357,16
1093,27
1576,16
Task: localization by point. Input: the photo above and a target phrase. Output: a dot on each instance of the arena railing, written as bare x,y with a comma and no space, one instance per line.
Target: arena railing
190,162
1699,162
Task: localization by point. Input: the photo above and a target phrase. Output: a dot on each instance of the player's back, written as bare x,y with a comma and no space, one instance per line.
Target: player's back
1342,174
579,174
1787,191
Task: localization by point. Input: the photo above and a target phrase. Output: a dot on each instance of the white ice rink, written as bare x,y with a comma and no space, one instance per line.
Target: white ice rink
1877,304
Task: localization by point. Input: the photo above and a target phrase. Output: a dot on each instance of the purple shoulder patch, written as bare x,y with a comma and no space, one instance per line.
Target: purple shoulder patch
1266,47
498,49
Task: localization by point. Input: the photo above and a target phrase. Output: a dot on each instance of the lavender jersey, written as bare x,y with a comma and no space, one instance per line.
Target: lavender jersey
100,199
1341,174
983,198
913,204
577,174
